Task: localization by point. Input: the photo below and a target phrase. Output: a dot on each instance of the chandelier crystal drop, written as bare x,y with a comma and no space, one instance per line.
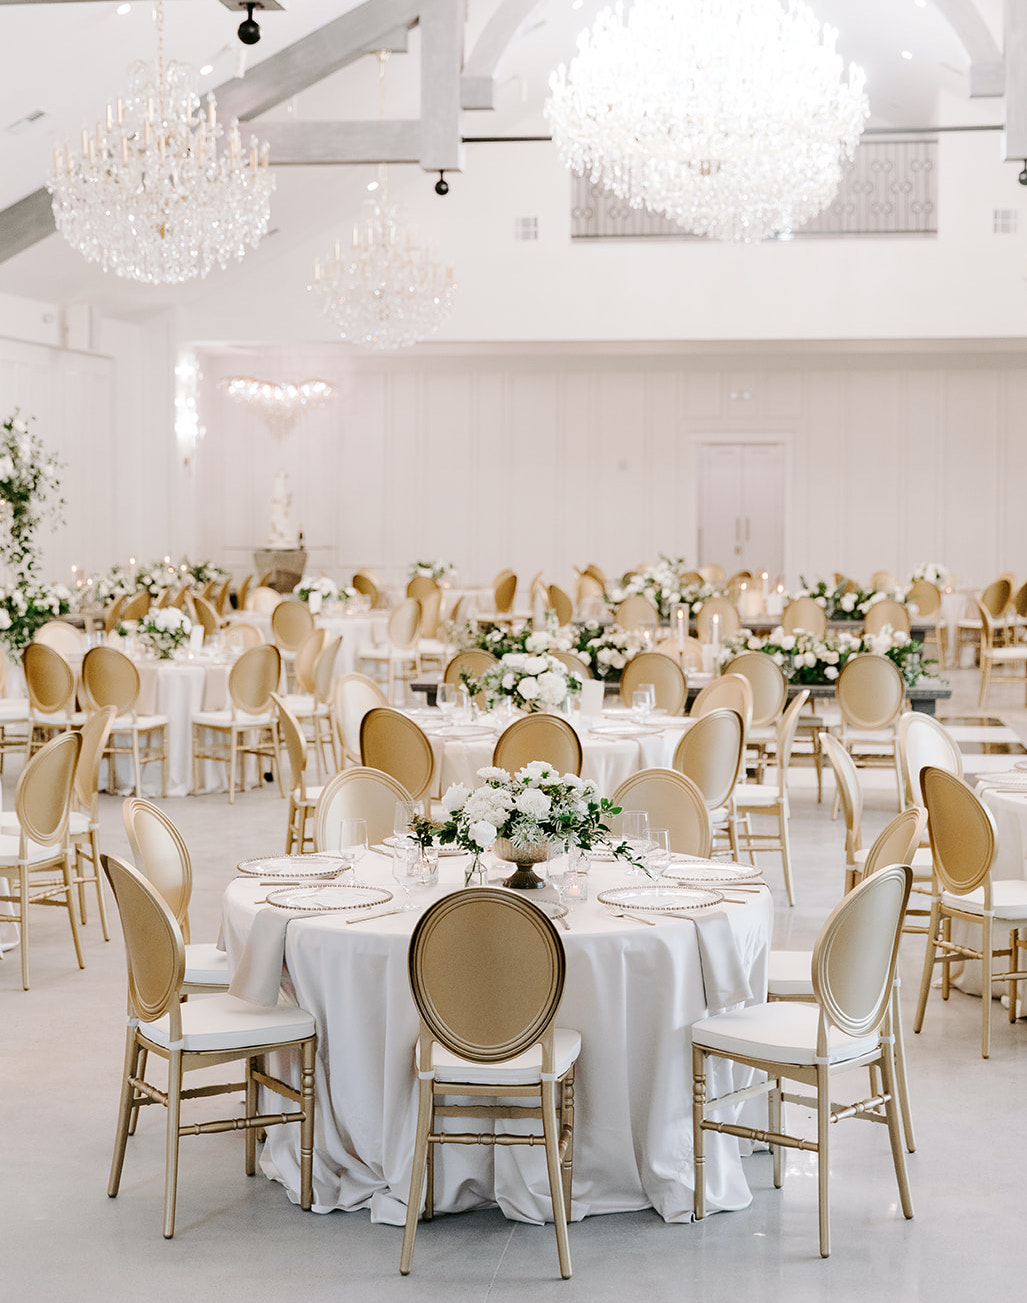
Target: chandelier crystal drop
149,196
386,292
731,117
281,405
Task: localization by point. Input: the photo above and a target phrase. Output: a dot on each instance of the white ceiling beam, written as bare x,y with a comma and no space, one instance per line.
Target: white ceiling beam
442,56
300,144
987,67
1015,36
478,86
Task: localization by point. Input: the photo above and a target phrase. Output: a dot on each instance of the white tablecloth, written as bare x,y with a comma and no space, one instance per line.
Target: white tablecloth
1010,812
632,991
358,632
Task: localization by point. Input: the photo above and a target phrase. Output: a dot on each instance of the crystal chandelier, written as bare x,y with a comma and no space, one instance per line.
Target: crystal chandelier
729,116
385,292
150,197
281,405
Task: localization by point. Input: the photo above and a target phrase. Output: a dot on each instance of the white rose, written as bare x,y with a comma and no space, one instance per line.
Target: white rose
528,688
5,620
537,642
532,801
482,834
552,686
454,798
848,602
535,664
831,672
509,680
788,642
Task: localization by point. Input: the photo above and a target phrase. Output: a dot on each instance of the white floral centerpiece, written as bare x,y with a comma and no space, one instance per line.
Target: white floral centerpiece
530,809
156,577
164,629
934,572
437,570
322,589
27,606
808,660
661,584
530,680
101,590
606,651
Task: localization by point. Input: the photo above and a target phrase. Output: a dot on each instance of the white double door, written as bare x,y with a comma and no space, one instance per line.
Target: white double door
741,514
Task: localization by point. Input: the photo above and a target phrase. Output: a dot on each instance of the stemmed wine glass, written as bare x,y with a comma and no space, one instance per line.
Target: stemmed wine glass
404,859
643,701
657,859
447,698
352,842
404,815
634,828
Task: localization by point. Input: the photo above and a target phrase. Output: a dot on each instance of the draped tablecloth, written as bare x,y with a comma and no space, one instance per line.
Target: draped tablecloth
358,632
632,992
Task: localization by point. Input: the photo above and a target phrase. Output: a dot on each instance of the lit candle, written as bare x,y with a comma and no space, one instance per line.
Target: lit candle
681,628
715,638
766,580
132,568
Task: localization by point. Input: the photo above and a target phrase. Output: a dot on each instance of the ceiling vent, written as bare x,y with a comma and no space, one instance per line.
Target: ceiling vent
525,228
26,123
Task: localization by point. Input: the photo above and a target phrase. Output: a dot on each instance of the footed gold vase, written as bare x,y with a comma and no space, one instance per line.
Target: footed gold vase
523,857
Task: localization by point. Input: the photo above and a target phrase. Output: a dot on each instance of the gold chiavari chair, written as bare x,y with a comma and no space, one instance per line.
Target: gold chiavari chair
50,684
871,695
358,793
804,615
109,678
395,744
672,801
199,1034
487,971
249,726
663,673
636,612
728,692
887,614
847,1026
539,737
352,697
710,754
302,799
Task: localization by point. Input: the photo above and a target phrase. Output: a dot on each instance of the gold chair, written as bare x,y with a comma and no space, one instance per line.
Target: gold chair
848,1026
291,625
487,971
663,673
587,589
593,572
473,661
561,604
710,754
198,1034
206,615
924,601
359,793
711,574
924,740
162,857
367,585
262,599
109,678
672,801
883,579
394,744
84,815
42,803
789,971
804,615
221,599
539,737
687,652
112,615
249,726
179,597
422,586
1013,657
730,692
504,589
243,589
352,697
240,636
887,614
62,637
771,799
870,695
305,662
302,799
136,606
50,684
636,612
962,833
314,709
769,698
995,599
574,663
401,655
729,620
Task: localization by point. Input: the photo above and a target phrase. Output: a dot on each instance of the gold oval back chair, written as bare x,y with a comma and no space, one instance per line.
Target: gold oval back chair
109,678
636,612
306,660
882,579
422,586
136,606
663,673
849,794
291,625
162,857
729,691
672,801
710,753
576,666
806,615
250,725
395,744
730,620
50,686
206,615
358,793
887,613
504,590
473,661
352,697
302,799
539,737
924,740
711,574
487,971
431,613
112,615
769,687
561,604
367,586
400,655
1012,658
870,695
262,599
241,635
963,841
62,637
925,597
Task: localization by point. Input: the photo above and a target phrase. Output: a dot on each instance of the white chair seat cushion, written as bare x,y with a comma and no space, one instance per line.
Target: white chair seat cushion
756,795
864,736
78,824
389,653
222,1022
223,719
720,817
523,1070
790,972
13,710
922,859
432,647
765,733
141,722
782,1033
75,720
1008,899
9,843
313,795
1007,654
305,707
206,964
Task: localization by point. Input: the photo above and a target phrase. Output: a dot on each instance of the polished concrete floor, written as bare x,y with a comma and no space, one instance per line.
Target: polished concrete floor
60,1057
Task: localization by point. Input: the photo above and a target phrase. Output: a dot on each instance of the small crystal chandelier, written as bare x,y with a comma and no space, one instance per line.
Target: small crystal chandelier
729,116
281,405
150,198
386,292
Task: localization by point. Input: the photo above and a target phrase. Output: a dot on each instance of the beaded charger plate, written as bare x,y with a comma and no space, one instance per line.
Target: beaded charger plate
659,900
329,897
316,868
701,873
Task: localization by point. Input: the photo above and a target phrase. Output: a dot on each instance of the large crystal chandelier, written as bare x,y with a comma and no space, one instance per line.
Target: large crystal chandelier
386,291
281,405
729,116
150,197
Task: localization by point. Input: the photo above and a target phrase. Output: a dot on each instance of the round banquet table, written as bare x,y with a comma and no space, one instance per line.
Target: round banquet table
358,632
632,991
1009,809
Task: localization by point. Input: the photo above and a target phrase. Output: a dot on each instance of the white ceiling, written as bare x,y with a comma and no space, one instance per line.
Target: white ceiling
68,59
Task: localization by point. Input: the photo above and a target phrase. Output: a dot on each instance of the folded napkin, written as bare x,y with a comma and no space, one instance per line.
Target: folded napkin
258,974
724,979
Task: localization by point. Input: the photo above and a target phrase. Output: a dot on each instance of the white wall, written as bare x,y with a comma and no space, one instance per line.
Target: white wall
545,459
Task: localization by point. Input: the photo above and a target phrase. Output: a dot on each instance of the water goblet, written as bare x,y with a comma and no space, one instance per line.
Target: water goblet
447,698
352,843
657,860
404,867
643,699
634,826
405,813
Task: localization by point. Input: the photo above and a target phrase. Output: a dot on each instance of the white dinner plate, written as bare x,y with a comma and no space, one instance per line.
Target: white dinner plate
554,909
618,731
702,874
318,867
659,899
442,850
329,896
464,732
